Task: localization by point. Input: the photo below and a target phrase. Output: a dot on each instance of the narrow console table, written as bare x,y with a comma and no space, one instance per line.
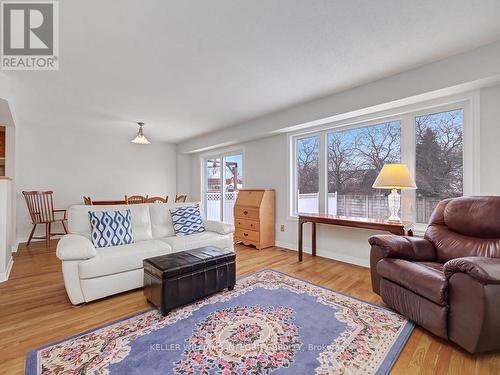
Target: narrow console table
404,228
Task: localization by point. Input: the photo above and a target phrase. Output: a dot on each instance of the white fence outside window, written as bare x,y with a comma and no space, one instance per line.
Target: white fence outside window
346,205
358,205
363,205
212,206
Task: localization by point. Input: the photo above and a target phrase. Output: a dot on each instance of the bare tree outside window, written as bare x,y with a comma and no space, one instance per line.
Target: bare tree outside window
355,156
354,159
439,159
307,150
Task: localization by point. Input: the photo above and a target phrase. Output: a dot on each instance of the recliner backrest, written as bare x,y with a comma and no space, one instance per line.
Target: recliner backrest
465,226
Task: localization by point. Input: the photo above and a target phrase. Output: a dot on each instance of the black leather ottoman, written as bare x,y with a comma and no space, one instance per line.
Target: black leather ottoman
176,279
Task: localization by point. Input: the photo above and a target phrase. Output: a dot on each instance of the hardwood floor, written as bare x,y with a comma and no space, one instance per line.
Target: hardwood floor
34,308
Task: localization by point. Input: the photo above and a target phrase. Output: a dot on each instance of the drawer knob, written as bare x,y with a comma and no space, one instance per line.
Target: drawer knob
245,212
245,234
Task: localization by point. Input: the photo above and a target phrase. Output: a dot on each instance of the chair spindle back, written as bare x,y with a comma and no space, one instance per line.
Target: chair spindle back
156,200
40,206
180,198
135,199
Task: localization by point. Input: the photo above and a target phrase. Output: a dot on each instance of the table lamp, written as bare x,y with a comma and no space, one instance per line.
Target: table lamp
394,177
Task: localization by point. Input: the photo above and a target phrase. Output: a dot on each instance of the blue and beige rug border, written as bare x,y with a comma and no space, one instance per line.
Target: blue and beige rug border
384,368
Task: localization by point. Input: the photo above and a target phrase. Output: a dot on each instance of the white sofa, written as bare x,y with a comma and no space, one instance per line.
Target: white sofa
91,273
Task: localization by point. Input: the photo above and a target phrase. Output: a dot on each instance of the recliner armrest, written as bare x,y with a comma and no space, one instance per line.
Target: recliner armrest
218,227
75,247
403,247
483,269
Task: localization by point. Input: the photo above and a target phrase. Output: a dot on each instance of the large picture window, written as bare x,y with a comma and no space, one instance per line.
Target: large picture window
334,169
308,174
354,159
439,159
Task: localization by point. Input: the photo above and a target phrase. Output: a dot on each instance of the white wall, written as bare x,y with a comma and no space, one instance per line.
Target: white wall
266,164
184,174
490,138
74,164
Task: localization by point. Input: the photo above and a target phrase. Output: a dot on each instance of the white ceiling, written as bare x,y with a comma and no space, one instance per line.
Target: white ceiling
188,67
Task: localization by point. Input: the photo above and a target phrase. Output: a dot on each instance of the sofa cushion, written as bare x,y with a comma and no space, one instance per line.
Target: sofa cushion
424,278
182,243
187,220
161,220
111,228
111,260
79,223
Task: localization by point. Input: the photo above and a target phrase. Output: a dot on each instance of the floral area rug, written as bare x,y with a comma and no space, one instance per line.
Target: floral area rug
269,323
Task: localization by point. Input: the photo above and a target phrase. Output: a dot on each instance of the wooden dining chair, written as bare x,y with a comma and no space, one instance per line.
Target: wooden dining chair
87,201
180,198
156,200
109,203
135,199
41,209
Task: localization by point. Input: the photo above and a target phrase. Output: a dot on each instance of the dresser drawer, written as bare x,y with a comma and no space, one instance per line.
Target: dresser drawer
246,212
247,224
246,235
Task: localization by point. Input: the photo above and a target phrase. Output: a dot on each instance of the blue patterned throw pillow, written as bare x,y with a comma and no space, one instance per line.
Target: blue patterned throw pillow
111,228
187,220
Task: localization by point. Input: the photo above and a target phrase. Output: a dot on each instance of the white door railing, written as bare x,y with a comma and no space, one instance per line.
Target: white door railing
213,206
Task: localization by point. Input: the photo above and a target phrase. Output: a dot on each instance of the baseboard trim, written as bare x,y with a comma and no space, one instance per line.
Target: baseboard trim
21,240
16,246
327,254
4,276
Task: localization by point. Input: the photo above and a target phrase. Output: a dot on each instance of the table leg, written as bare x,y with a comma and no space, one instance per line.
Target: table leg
300,240
313,239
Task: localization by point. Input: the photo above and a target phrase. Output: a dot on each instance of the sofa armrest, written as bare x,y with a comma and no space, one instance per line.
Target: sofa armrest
75,247
485,270
218,227
403,247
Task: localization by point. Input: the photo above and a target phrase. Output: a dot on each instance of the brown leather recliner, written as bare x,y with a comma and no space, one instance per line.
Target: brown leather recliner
449,281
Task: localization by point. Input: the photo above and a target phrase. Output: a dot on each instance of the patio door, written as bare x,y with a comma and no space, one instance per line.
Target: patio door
223,177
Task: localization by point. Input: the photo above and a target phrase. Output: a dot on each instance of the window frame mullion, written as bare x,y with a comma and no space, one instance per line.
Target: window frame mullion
323,175
408,157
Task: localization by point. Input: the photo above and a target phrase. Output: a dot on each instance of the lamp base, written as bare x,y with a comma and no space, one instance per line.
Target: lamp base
394,200
394,221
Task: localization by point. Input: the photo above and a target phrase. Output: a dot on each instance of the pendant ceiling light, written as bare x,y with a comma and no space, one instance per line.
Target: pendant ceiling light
140,139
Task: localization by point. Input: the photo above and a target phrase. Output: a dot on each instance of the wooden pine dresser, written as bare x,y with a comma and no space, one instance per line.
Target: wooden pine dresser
254,218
